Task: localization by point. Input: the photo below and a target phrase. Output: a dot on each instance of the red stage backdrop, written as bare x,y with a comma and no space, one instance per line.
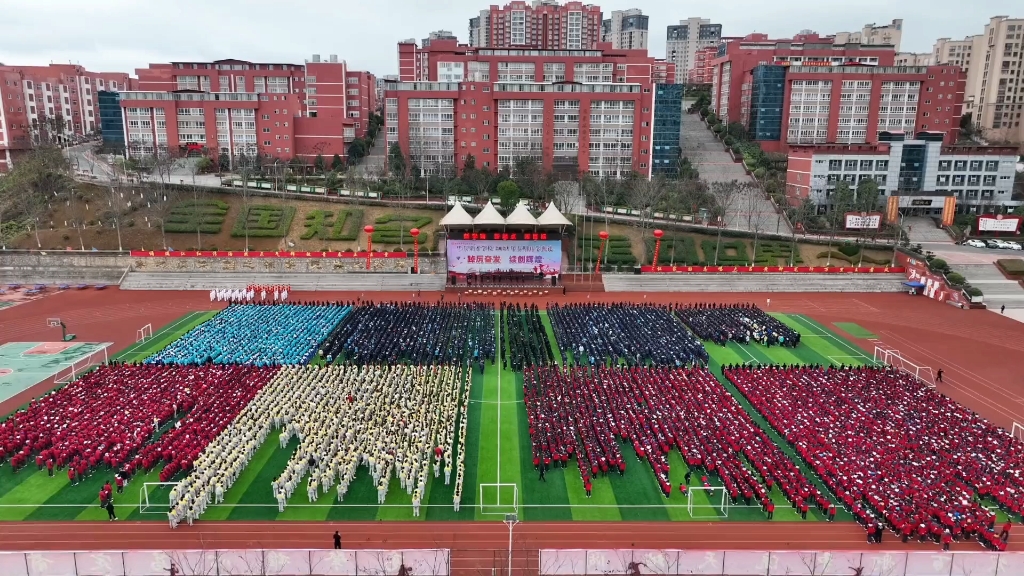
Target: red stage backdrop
774,269
258,254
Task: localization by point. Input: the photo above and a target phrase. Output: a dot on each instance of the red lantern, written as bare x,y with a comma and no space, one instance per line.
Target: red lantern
603,235
415,233
369,244
657,245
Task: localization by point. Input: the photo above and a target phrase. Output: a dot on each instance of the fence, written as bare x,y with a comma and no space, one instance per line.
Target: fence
771,563
428,562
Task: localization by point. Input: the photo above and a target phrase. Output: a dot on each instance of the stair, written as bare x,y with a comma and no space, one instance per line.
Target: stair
997,289
754,282
29,275
921,230
350,282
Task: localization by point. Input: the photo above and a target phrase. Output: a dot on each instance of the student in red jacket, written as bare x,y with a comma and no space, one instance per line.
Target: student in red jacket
1005,534
947,538
771,509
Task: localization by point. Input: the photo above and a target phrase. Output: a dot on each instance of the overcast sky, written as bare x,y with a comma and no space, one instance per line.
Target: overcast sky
122,35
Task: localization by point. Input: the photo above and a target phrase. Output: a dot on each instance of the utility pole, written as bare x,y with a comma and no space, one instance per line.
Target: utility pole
510,520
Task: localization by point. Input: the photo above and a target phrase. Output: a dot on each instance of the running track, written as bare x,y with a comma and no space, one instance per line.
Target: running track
978,351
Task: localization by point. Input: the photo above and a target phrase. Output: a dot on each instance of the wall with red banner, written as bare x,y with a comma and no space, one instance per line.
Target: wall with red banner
774,269
261,254
997,223
935,286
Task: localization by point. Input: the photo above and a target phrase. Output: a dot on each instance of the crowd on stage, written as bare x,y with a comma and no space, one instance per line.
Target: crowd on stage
256,334
110,417
418,333
895,452
623,333
251,293
523,337
584,413
504,278
743,323
400,422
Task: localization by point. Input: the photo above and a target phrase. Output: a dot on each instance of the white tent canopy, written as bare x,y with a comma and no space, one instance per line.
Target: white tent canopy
521,216
457,216
489,216
552,217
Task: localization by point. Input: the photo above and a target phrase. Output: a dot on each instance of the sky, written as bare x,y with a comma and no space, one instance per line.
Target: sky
122,35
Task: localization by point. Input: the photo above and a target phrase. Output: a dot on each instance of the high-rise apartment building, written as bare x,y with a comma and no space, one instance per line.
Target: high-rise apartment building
589,111
809,90
994,62
889,34
237,107
35,99
914,59
625,30
540,25
438,35
685,39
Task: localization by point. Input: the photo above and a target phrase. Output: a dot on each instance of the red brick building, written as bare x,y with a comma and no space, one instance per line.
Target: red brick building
34,96
810,91
238,107
538,25
580,110
701,72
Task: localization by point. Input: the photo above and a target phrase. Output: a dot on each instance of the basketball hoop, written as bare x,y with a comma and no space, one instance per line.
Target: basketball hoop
53,322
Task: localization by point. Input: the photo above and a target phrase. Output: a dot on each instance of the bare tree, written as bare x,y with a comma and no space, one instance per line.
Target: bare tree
814,567
645,196
725,194
203,565
756,219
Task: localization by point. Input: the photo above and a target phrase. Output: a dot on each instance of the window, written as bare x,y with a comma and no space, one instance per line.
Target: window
976,165
992,166
945,165
959,165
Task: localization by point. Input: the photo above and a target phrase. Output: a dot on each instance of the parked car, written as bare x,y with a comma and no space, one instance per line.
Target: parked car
975,243
1011,245
993,243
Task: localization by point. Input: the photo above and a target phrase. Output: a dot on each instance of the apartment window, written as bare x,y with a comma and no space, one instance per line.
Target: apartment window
881,165
266,142
959,165
945,165
266,116
991,166
976,165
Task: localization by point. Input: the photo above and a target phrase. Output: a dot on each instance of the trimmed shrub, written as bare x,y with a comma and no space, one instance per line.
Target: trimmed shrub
618,250
388,230
264,221
938,265
324,225
759,173
972,291
955,279
849,249
206,216
1011,267
730,253
729,140
773,253
678,250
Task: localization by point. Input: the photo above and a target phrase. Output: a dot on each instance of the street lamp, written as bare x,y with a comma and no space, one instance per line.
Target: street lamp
510,520
369,244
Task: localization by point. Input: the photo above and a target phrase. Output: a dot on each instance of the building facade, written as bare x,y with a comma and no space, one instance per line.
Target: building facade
626,29
111,118
685,39
236,107
890,34
812,91
540,25
579,111
668,121
703,60
994,62
914,59
56,102
917,169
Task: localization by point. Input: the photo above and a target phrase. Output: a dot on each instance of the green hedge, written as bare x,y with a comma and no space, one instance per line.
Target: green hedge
855,260
1012,267
731,252
323,224
387,229
972,291
773,253
206,216
264,221
618,250
849,249
680,250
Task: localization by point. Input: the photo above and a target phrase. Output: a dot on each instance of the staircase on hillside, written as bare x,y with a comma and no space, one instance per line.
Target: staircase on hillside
922,230
997,289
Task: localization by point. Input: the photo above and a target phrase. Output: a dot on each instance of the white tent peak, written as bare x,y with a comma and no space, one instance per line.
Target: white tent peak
457,216
552,217
521,216
489,216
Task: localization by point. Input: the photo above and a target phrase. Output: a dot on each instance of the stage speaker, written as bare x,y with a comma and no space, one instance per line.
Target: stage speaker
554,280
636,270
412,269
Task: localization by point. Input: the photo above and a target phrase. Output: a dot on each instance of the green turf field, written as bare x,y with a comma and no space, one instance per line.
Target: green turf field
498,459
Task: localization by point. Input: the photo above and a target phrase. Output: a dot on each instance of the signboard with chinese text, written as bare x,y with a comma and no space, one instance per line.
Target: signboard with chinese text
473,256
999,223
863,221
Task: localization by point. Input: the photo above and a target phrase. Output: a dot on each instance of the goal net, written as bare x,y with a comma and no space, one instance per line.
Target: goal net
143,333
1017,431
78,368
891,357
500,498
707,502
155,497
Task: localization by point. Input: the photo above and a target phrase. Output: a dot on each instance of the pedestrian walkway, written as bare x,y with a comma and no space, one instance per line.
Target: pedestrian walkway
922,229
997,289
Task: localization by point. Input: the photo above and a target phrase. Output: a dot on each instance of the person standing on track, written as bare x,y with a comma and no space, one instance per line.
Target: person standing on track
110,509
337,540
938,376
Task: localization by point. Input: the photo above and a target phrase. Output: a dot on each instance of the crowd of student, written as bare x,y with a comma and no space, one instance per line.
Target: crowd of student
743,323
524,340
109,417
894,451
256,334
397,421
583,412
390,332
634,334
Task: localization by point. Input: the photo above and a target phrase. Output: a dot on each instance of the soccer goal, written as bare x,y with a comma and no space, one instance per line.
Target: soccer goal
77,368
500,498
1017,431
707,502
154,506
892,357
143,333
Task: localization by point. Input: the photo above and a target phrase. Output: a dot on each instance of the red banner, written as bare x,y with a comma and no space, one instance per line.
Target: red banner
775,269
935,286
260,254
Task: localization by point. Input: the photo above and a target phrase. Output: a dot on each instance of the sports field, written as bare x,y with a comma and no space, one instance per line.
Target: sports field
498,459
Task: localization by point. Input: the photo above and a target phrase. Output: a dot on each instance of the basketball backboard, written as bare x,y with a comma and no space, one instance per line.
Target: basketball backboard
53,322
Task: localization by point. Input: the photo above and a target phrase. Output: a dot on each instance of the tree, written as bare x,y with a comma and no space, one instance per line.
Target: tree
508,193
397,161
725,194
224,162
319,164
755,219
799,218
337,164
204,165
867,195
842,201
687,171
39,176
645,196
357,150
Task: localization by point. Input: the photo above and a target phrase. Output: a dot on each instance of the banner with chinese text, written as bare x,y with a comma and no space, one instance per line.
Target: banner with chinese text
482,256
